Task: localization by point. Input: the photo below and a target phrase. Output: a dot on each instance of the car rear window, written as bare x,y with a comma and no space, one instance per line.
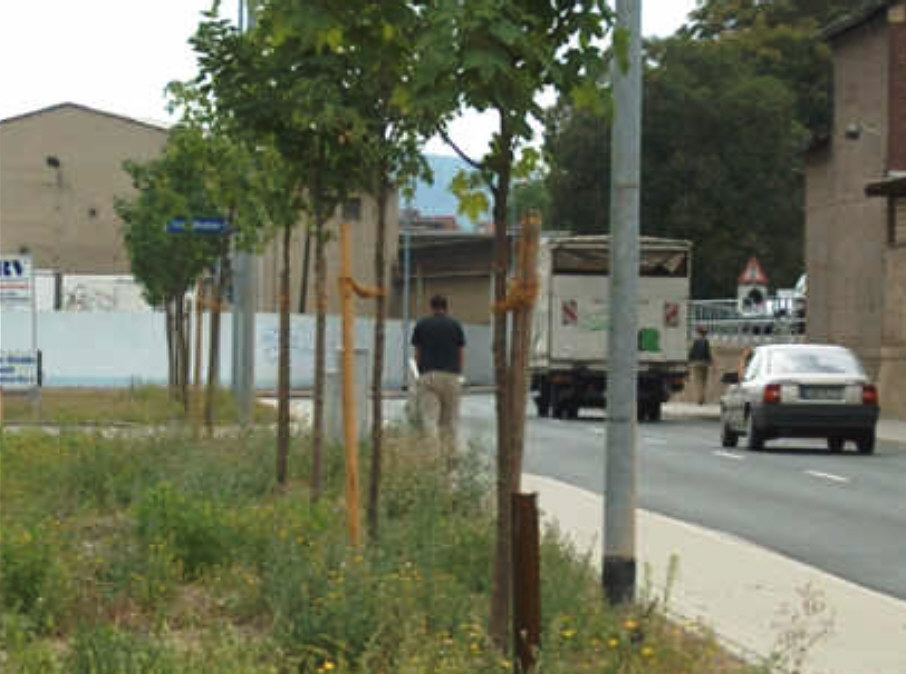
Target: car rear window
819,361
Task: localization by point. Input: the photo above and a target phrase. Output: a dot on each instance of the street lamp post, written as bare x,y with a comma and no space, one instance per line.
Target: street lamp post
619,567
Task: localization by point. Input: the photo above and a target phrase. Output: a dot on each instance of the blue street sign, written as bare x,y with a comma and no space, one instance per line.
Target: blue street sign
211,226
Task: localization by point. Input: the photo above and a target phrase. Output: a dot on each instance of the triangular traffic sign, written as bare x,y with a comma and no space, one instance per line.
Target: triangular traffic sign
753,274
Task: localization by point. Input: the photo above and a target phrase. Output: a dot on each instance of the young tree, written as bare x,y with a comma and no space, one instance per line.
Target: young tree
170,187
496,56
377,41
287,88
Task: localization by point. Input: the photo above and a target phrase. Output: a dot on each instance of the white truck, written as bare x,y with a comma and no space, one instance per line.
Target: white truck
568,363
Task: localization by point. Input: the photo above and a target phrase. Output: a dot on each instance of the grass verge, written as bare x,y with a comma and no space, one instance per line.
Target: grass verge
173,554
149,405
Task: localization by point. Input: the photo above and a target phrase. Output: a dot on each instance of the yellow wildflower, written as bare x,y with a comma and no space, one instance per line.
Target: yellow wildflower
648,652
613,642
630,625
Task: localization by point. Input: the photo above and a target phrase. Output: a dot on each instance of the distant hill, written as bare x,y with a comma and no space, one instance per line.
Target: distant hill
437,199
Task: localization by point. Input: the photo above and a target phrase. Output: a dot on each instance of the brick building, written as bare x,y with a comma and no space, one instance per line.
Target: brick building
854,254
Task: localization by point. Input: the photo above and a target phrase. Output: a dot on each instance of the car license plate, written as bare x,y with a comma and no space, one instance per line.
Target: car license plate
821,392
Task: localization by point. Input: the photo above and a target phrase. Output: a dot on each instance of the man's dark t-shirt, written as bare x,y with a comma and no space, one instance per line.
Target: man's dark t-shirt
439,338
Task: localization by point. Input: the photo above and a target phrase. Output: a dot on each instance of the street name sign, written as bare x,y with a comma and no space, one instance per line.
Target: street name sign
206,226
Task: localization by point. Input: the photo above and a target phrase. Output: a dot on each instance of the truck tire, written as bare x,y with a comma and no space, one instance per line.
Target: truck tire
543,399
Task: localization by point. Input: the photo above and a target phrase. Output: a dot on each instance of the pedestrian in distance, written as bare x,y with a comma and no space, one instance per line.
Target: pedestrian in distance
700,363
439,343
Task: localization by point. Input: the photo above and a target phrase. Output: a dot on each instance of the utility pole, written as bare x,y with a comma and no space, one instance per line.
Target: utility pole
619,569
243,356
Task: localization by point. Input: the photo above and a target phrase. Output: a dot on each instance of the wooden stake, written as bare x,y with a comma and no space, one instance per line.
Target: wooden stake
526,581
349,404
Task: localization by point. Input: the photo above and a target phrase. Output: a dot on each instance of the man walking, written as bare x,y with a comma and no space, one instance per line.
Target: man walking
700,362
439,344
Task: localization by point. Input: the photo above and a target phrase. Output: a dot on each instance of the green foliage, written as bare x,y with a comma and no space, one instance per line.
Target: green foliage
720,163
286,592
33,581
107,650
170,187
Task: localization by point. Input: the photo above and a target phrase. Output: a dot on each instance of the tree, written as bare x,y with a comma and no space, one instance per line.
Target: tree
287,88
489,55
721,162
378,48
170,187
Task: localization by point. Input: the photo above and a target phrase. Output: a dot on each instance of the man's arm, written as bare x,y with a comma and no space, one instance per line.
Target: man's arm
462,360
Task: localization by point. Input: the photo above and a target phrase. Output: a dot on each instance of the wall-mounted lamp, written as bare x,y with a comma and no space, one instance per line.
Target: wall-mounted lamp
854,130
53,161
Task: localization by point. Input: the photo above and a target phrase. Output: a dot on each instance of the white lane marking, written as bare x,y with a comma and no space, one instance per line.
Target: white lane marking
729,455
827,476
654,441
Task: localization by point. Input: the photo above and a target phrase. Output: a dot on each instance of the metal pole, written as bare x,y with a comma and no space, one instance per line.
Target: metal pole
244,308
619,569
407,273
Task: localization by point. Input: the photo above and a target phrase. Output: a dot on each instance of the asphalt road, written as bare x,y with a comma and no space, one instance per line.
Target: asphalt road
844,513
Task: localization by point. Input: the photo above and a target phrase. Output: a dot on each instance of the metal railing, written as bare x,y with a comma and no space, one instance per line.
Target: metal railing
777,319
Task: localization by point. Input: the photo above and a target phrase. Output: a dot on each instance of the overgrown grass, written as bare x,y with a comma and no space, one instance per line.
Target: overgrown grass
170,554
135,405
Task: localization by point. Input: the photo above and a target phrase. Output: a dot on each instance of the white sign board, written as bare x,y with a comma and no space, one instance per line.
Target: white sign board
15,281
18,370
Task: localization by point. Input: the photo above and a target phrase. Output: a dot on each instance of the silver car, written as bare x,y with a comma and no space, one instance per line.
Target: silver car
800,391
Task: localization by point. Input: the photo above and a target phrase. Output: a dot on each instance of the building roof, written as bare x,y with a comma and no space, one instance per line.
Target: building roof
84,108
860,15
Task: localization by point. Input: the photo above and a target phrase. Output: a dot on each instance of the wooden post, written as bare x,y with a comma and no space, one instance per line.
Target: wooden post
199,331
521,337
349,403
526,581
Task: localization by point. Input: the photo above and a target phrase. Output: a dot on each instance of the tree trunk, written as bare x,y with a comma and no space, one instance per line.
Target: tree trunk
377,373
306,257
182,350
214,352
283,366
320,359
172,381
498,626
520,344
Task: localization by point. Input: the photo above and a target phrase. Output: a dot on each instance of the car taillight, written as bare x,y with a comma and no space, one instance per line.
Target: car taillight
869,395
771,394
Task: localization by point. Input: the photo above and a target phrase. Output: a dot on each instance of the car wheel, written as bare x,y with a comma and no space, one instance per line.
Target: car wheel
835,445
754,439
654,413
866,443
727,437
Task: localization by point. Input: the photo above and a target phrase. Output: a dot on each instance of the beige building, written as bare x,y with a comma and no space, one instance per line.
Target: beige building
854,252
458,265
61,169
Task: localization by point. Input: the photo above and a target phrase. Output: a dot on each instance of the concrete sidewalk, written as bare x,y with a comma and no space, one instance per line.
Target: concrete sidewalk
751,597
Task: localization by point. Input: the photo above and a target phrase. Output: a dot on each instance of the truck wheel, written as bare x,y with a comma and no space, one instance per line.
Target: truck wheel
543,399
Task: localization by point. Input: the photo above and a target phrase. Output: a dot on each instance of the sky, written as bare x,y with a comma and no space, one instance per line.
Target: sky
118,55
